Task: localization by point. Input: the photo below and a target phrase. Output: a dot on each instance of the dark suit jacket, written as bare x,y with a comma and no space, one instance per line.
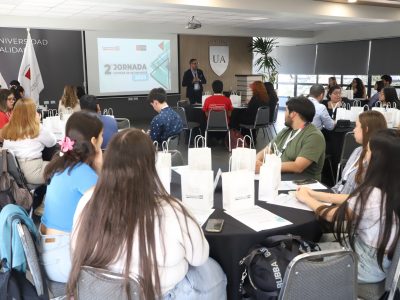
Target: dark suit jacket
187,81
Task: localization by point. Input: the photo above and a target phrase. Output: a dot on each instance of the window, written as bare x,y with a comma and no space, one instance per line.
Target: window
286,84
324,79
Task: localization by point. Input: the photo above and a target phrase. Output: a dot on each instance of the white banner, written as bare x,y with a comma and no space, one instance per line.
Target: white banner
219,59
29,74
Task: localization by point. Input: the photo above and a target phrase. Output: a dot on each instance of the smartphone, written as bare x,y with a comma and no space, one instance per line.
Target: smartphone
305,181
214,225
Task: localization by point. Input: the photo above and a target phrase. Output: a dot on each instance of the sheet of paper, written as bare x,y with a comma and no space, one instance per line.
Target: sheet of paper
180,169
289,200
200,215
258,218
290,186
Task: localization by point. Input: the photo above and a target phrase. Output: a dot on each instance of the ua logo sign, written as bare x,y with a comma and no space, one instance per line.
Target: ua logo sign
219,59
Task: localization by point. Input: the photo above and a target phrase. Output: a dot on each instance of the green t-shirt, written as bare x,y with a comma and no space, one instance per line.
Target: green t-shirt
309,143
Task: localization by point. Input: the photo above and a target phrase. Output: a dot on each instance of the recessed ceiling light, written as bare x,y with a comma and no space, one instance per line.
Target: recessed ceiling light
352,1
327,23
257,18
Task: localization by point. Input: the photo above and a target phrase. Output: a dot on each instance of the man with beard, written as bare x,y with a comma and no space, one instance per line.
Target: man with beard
300,145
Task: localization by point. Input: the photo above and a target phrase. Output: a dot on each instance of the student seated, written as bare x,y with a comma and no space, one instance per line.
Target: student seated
110,127
322,119
335,100
300,145
26,139
388,98
130,225
167,123
368,222
353,173
68,100
218,100
70,174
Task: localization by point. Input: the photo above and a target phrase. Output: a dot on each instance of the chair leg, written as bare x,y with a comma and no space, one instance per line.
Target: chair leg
331,168
205,137
190,137
229,139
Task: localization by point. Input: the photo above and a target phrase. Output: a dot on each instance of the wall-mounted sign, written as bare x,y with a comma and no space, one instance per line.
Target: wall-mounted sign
219,59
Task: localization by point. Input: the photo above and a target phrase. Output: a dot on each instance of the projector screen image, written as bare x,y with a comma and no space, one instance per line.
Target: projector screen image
125,66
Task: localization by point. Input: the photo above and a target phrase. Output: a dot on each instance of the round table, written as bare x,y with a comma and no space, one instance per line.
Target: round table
230,245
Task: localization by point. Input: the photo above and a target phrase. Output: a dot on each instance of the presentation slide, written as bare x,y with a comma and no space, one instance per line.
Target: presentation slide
131,65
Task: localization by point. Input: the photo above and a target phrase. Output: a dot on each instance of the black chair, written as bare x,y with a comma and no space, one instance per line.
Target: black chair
349,144
187,125
261,121
218,122
123,123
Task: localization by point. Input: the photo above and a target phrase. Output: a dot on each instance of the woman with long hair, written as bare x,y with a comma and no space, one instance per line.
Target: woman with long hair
388,97
368,222
331,82
353,173
26,138
130,225
70,174
69,99
7,101
358,88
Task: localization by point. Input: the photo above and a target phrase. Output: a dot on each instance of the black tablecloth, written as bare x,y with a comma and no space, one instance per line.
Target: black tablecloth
230,245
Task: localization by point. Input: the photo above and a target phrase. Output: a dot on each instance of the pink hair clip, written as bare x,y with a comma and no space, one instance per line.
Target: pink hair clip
66,145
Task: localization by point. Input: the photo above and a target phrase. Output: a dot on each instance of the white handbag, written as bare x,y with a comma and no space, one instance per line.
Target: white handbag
204,97
236,99
244,158
197,189
270,177
163,166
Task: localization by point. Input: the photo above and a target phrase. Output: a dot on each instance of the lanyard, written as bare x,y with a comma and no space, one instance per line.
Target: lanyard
288,140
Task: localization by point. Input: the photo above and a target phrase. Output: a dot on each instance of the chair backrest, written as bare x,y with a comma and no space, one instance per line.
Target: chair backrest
330,274
217,120
181,112
262,117
172,142
95,283
32,258
349,144
123,123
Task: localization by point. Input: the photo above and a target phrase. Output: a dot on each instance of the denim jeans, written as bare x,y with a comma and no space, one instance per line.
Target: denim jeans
55,256
207,282
368,268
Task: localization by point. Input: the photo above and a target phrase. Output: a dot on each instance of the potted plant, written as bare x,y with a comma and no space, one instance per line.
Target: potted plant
265,63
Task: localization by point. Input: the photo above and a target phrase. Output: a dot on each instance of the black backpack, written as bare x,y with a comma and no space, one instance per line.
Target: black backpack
266,263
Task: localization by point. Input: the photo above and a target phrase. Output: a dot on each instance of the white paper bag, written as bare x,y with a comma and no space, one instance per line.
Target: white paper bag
198,189
387,113
355,111
163,167
236,99
243,158
238,190
199,158
270,178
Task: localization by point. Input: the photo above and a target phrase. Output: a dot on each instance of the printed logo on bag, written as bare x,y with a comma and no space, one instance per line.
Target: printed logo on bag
219,59
277,274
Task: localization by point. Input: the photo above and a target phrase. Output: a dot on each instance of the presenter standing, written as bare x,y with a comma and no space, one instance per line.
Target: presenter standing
193,80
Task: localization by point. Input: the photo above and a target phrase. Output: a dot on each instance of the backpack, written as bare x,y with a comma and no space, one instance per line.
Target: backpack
10,192
266,263
235,136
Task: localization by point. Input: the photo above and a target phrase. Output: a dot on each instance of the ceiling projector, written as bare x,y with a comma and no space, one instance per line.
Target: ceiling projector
193,24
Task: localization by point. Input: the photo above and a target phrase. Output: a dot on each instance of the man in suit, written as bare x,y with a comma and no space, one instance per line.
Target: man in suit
193,80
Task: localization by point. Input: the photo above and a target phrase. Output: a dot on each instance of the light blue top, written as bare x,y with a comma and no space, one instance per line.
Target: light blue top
63,194
322,119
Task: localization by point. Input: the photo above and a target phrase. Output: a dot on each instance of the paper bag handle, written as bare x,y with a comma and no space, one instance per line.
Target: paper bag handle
110,111
164,146
199,138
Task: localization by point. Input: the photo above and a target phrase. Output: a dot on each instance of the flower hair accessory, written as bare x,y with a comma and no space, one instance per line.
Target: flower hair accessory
66,145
